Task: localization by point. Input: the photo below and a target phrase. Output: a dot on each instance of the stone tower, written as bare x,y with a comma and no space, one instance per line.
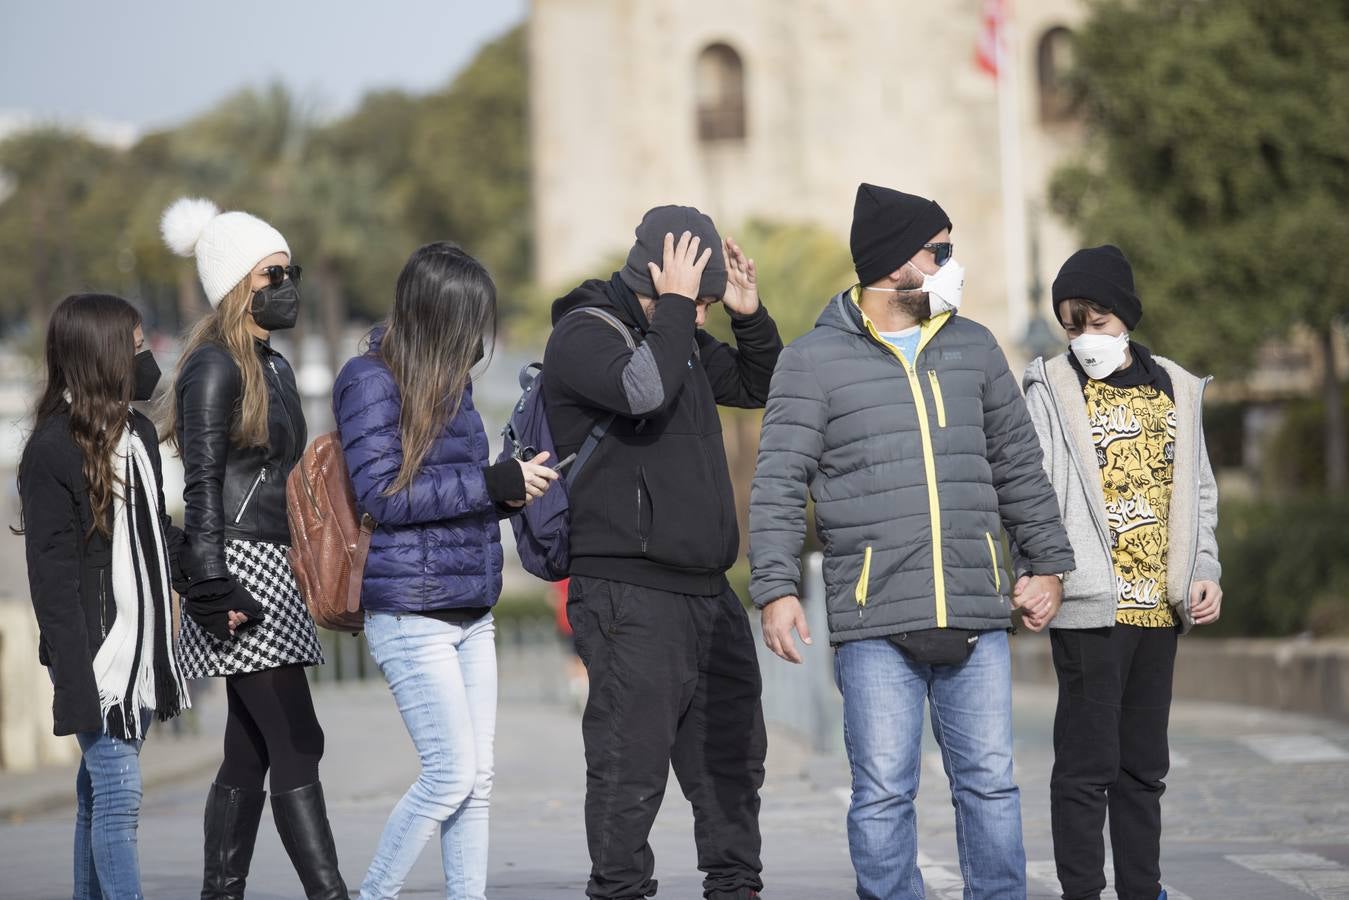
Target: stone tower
776,109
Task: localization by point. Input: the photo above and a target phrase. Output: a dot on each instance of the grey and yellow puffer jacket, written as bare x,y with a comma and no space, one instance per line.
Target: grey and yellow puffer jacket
915,469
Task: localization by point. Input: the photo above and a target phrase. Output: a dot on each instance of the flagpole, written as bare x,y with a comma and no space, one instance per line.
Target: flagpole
1013,190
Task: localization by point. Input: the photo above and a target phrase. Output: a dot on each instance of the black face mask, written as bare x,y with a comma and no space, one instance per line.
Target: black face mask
277,308
146,373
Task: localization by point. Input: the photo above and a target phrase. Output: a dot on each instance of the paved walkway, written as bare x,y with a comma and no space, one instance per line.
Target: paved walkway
1258,808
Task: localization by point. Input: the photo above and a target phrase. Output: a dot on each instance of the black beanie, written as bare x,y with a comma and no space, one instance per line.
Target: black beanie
650,248
1103,276
889,228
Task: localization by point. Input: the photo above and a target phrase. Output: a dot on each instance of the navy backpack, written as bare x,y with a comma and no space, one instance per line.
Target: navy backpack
543,528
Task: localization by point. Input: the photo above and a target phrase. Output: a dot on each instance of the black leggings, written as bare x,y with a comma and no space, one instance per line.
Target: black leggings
271,725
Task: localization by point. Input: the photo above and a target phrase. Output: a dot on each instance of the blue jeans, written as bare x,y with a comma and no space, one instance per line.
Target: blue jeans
883,698
107,807
444,679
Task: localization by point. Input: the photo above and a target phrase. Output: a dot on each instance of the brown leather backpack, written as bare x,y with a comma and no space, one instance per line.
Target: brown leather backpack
329,543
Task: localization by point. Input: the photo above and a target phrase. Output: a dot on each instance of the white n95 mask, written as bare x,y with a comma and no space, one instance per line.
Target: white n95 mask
943,290
1100,354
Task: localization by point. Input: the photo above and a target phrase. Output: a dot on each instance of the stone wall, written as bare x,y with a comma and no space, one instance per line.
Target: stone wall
1294,675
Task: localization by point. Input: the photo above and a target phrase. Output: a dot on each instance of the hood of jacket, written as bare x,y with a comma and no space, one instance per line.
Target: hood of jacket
613,295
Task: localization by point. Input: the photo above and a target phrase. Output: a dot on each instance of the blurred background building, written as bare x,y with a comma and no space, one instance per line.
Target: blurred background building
776,109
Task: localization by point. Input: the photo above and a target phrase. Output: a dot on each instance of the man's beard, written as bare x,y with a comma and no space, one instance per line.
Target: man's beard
915,304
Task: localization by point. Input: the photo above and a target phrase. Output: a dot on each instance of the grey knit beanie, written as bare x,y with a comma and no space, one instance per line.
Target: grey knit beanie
650,248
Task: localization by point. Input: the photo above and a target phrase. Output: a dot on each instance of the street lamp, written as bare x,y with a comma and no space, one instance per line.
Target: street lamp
1039,339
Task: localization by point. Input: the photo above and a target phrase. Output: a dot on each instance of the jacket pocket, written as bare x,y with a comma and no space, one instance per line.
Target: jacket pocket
864,580
937,398
645,511
723,487
993,560
250,494
107,612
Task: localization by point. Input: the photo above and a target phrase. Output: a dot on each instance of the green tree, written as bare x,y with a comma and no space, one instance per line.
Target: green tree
44,253
1219,160
350,230
354,196
362,176
469,179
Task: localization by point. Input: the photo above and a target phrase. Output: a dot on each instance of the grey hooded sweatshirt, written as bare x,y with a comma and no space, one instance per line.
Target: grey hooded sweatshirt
915,468
1059,411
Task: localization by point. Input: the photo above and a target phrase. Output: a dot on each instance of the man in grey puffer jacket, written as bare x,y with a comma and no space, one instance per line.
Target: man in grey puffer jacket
903,421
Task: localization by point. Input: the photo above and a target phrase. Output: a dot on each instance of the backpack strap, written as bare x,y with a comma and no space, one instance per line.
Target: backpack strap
356,578
611,319
601,427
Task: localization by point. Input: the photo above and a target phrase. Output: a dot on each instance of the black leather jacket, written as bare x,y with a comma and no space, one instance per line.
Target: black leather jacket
232,492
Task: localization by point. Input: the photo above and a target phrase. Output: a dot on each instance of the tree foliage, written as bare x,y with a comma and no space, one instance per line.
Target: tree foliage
1219,161
354,196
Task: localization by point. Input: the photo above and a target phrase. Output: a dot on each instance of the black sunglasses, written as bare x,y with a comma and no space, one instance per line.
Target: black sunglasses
278,274
941,251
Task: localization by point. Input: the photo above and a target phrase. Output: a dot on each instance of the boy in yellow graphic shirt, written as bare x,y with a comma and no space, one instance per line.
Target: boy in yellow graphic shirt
1135,448
1124,447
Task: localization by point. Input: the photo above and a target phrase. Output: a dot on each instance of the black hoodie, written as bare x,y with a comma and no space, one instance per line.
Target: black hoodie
654,505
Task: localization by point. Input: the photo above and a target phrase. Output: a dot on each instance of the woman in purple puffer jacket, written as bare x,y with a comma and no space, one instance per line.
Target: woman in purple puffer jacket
418,458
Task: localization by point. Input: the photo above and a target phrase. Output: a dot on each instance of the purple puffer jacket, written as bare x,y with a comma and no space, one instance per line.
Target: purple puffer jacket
438,544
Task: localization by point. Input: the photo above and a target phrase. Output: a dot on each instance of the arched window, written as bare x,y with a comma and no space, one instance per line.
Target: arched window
1053,59
721,94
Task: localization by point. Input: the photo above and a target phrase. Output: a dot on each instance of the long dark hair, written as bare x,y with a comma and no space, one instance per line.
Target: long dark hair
444,313
90,353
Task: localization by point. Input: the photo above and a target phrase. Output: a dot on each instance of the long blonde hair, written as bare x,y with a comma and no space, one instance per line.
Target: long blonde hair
227,325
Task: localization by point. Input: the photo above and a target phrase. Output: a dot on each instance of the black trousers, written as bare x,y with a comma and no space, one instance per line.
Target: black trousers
1110,755
271,726
673,680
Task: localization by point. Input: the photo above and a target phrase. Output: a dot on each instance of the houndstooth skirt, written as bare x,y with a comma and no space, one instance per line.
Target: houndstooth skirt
286,636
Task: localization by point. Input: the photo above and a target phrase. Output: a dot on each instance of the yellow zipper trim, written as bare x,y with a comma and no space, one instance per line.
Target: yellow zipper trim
929,329
993,555
936,395
864,580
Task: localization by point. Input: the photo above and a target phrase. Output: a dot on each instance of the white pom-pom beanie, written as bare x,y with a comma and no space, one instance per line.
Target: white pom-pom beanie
227,245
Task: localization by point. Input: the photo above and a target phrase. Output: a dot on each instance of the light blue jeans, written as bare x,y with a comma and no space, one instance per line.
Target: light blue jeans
107,808
884,693
444,679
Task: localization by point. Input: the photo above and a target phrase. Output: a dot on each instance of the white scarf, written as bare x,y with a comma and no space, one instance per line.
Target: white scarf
136,667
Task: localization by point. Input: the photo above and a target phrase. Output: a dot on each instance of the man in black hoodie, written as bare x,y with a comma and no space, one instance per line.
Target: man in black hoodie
671,657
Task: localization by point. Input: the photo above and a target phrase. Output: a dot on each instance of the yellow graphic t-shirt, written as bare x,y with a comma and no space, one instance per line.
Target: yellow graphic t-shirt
1134,429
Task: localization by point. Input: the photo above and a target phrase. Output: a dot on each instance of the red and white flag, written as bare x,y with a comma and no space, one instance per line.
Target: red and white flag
991,48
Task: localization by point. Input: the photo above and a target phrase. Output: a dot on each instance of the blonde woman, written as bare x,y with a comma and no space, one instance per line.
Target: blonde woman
238,423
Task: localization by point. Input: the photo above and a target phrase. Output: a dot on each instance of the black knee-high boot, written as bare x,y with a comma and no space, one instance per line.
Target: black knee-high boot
302,821
231,826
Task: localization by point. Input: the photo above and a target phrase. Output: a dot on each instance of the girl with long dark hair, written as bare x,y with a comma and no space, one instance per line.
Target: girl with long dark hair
238,423
101,554
418,458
